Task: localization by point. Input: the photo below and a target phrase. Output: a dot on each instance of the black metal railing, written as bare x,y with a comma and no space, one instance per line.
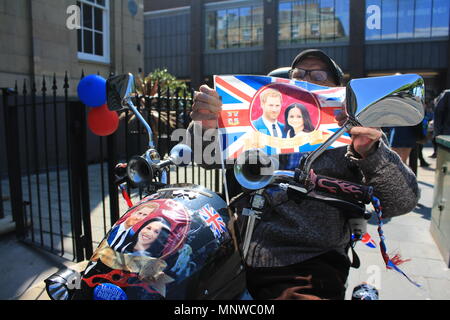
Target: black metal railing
60,182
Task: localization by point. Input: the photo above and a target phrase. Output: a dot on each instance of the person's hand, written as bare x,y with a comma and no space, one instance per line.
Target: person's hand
294,293
206,107
363,139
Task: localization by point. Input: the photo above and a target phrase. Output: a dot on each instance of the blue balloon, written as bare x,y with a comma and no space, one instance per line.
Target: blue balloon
92,91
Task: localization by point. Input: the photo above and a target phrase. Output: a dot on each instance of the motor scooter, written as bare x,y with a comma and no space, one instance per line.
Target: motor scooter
184,241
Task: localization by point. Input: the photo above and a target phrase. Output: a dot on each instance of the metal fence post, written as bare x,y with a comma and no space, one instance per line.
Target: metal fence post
111,142
75,134
13,159
84,186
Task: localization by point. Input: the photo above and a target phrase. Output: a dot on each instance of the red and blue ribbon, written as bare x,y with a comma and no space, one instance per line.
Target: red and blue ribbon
391,263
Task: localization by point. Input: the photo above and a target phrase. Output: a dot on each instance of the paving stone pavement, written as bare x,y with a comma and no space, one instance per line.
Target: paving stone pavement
23,268
410,236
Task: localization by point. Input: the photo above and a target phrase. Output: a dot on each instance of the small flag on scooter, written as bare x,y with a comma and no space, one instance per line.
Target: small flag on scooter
368,241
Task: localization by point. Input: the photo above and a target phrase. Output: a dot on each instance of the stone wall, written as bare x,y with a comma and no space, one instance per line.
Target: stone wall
35,40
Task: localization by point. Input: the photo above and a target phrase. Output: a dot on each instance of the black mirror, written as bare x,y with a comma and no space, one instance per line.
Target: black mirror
118,89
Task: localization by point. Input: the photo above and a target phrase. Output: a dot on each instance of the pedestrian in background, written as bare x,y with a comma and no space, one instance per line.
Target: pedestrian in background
403,141
441,120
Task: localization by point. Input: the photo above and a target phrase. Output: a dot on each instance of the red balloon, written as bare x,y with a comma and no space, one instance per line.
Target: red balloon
102,121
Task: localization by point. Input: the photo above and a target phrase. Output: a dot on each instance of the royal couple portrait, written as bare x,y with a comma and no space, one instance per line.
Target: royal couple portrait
297,119
140,233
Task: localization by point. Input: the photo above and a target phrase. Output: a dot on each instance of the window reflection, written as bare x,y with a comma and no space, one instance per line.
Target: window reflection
342,28
222,34
405,19
284,22
245,30
389,19
422,21
298,26
257,26
234,27
327,20
313,21
211,38
440,18
373,27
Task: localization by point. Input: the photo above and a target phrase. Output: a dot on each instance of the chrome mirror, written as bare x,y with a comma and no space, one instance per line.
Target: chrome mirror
390,101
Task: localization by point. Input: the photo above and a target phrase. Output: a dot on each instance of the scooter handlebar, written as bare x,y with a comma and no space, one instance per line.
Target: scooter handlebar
341,188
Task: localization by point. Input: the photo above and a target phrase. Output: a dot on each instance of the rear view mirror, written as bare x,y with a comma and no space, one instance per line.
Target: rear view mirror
391,101
118,90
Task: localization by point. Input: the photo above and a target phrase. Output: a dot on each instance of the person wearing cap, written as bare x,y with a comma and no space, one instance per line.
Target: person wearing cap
299,246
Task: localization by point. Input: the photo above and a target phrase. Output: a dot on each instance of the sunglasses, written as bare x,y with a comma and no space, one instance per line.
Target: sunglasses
315,75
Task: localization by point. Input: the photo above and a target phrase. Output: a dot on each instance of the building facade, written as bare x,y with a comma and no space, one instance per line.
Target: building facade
197,39
46,37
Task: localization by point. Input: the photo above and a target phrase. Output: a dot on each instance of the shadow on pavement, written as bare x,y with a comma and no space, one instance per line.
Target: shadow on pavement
23,266
423,210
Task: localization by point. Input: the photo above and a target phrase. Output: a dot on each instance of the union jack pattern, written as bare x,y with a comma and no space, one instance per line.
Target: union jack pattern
235,123
213,219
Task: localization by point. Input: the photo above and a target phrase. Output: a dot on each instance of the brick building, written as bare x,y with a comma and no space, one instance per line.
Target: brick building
37,38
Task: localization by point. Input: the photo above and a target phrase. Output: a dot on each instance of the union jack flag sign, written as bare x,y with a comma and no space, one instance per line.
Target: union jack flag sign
249,119
213,220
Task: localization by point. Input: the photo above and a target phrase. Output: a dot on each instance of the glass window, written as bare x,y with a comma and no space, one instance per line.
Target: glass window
422,21
312,21
245,24
240,27
87,16
222,29
440,18
298,29
233,27
87,42
389,19
327,20
284,22
373,19
211,37
257,26
405,19
342,14
98,19
93,41
80,45
98,44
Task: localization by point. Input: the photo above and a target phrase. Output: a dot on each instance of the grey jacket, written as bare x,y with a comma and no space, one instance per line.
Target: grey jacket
294,232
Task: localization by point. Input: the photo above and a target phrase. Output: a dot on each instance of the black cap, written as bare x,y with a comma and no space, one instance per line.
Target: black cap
334,68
